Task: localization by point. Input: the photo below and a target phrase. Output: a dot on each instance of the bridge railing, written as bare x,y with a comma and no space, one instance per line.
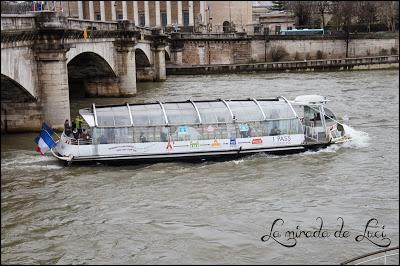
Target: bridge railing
200,36
80,24
144,30
11,22
17,22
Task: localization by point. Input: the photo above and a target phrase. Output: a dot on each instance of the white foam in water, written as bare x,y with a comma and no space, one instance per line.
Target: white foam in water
359,139
31,160
238,161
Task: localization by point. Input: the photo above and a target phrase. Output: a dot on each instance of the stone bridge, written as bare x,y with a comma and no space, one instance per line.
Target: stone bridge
45,57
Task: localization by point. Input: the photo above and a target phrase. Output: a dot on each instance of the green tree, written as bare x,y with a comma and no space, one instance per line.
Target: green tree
279,5
303,11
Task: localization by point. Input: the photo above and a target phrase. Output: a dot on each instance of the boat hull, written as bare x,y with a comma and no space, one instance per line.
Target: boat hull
193,157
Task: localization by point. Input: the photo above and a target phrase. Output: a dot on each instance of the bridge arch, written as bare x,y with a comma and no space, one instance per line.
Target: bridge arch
13,92
20,110
144,66
141,59
89,74
23,71
167,55
104,49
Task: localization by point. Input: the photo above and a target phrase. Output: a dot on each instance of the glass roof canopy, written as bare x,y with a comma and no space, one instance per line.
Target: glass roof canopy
189,112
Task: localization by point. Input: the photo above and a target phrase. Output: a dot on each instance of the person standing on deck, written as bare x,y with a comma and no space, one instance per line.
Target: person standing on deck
78,124
67,128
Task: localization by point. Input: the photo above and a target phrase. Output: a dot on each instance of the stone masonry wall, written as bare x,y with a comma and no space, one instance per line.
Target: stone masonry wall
21,117
329,48
215,52
201,52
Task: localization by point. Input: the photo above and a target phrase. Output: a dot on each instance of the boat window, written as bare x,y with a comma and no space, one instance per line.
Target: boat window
276,109
312,117
123,134
214,112
102,135
219,131
105,116
148,114
181,113
186,133
329,114
246,111
121,116
279,127
113,116
146,134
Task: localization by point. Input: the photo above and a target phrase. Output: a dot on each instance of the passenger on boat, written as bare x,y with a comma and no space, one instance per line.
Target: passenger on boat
103,140
85,134
164,134
250,132
317,119
67,128
78,123
244,130
75,133
275,131
142,137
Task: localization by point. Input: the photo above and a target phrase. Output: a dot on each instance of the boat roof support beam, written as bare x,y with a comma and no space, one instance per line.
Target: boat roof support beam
95,114
291,107
227,106
197,111
130,113
259,106
163,109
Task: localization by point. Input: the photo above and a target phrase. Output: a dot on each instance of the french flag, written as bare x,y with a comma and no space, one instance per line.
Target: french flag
44,141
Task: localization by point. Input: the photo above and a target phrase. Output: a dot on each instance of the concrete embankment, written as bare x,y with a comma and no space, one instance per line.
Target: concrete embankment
376,62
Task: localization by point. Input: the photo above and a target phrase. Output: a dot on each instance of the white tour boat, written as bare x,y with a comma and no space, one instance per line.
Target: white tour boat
201,130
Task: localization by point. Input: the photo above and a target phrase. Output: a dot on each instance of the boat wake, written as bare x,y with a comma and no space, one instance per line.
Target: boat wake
359,139
30,160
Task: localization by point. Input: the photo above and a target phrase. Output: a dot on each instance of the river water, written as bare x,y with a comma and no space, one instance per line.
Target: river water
214,212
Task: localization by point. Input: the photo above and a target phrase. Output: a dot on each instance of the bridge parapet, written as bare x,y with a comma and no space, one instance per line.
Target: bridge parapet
16,28
209,36
17,22
79,24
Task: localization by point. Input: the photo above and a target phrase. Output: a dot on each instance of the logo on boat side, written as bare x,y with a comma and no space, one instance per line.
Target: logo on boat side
243,127
286,140
123,148
232,141
210,129
182,130
216,144
170,143
194,144
257,141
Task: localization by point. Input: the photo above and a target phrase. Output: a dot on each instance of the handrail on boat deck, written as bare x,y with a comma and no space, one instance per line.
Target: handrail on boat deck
371,254
74,141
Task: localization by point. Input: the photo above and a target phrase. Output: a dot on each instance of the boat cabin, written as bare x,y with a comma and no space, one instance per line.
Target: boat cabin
189,121
201,128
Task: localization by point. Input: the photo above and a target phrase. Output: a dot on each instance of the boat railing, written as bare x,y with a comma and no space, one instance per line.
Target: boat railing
376,257
73,141
311,133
